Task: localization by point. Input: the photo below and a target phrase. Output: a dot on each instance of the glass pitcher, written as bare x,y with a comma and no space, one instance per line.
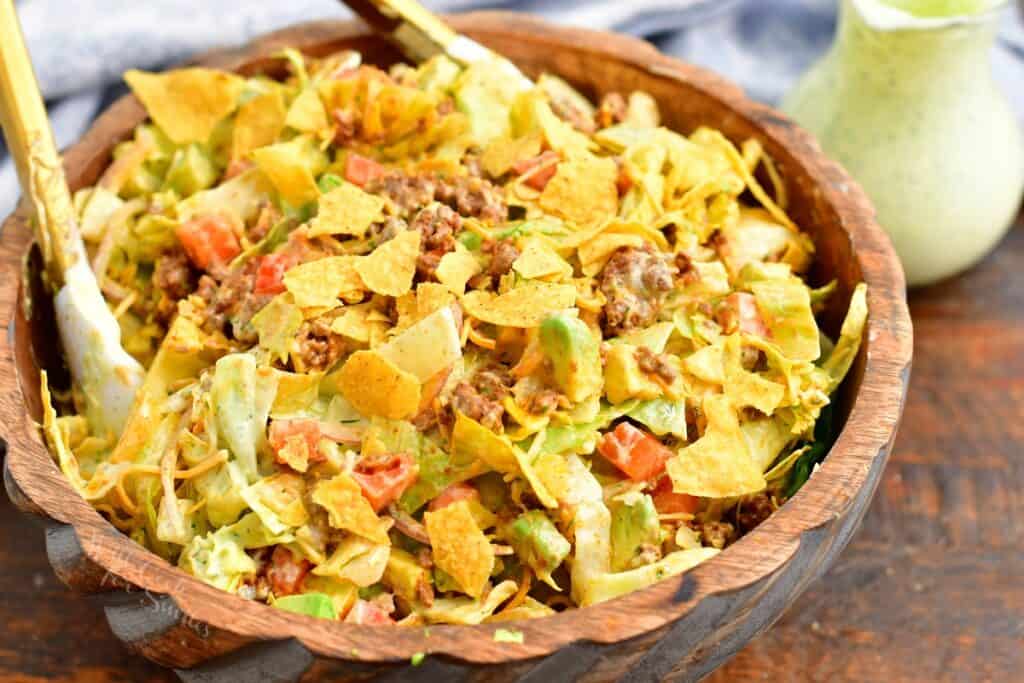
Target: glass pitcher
905,100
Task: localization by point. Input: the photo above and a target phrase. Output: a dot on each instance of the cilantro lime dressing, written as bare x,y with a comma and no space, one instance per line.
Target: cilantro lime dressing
905,100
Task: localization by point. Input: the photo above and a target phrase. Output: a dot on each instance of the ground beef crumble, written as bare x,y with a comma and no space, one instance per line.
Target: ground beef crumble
656,364
480,397
438,225
753,511
318,347
470,196
503,254
634,282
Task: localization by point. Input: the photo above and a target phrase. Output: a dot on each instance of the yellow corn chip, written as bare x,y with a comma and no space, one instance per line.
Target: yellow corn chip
472,441
276,323
259,123
295,453
459,547
319,283
346,210
376,387
525,306
283,163
307,114
748,388
187,104
717,465
296,392
582,190
352,323
347,509
540,261
594,254
456,268
430,297
502,152
389,269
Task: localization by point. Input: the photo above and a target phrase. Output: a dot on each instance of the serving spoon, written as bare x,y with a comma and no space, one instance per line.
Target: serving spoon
421,34
107,375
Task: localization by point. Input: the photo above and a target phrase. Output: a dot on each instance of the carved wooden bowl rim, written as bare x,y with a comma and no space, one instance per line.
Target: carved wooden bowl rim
864,441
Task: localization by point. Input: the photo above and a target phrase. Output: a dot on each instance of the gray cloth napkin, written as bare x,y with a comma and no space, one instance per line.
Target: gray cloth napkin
80,48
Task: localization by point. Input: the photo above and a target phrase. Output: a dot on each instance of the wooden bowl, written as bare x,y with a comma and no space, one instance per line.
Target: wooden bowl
686,625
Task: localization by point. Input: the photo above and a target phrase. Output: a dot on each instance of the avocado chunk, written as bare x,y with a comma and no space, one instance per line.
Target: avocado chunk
405,575
575,356
537,542
635,528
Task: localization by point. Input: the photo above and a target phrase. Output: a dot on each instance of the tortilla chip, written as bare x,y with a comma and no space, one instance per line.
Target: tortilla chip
307,114
582,190
595,249
502,152
594,254
259,123
284,165
347,509
352,323
389,269
276,323
717,465
296,392
376,387
319,283
430,297
540,261
187,104
459,547
456,268
346,210
473,441
525,306
748,388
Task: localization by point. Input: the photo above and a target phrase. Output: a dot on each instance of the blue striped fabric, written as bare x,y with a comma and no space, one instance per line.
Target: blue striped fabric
80,48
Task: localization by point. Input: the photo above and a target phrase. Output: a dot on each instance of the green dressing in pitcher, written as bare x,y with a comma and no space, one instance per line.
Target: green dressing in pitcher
906,101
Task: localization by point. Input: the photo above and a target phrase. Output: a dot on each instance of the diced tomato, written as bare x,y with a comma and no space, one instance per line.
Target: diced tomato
634,451
385,477
270,275
285,573
538,180
209,241
740,308
453,494
367,614
360,170
281,431
667,501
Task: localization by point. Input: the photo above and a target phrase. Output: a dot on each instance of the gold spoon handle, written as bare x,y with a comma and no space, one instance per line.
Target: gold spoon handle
30,141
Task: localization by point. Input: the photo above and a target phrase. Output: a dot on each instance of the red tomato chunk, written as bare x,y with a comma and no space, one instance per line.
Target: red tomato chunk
634,451
209,241
385,477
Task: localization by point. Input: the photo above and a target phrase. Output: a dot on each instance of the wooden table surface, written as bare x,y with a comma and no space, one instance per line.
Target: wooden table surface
931,589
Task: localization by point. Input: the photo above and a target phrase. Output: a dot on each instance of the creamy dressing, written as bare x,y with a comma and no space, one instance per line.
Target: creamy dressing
907,103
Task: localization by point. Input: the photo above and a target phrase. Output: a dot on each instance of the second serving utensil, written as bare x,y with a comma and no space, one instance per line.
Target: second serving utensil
421,34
